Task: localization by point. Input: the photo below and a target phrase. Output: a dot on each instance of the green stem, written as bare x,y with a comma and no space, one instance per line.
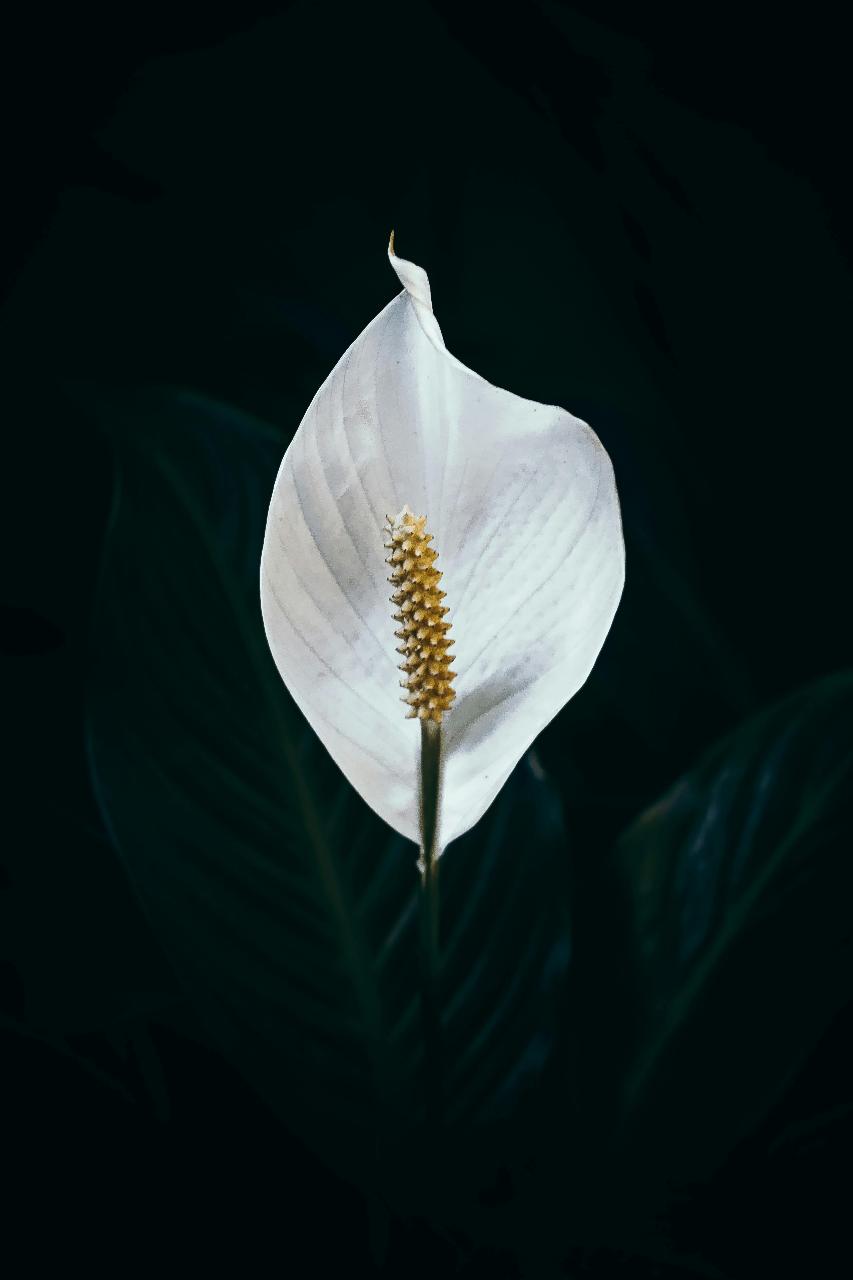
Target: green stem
430,1011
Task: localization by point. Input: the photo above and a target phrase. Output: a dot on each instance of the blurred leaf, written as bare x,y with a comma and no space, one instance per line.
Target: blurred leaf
738,888
287,908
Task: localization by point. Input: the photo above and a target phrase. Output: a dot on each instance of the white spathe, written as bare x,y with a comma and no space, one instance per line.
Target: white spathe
521,501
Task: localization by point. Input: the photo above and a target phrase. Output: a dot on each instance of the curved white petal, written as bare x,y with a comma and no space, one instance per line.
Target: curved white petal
521,500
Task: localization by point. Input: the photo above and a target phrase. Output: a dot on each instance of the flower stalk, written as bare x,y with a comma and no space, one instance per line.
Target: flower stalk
430,955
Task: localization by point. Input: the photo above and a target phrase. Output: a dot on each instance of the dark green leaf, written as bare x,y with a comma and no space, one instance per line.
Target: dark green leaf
738,888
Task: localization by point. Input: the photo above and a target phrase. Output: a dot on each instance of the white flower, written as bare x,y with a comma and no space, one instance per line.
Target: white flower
521,504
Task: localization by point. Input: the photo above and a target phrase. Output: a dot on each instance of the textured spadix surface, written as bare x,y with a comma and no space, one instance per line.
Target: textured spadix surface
521,500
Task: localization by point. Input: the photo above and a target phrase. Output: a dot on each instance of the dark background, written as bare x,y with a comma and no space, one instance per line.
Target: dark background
640,214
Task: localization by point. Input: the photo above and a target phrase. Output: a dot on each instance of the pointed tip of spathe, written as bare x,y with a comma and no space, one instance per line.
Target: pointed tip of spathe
412,277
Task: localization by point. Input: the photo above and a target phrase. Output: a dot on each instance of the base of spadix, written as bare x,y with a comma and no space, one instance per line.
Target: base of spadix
430,793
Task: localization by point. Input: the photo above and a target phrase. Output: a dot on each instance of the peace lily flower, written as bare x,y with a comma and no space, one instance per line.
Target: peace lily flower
430,530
